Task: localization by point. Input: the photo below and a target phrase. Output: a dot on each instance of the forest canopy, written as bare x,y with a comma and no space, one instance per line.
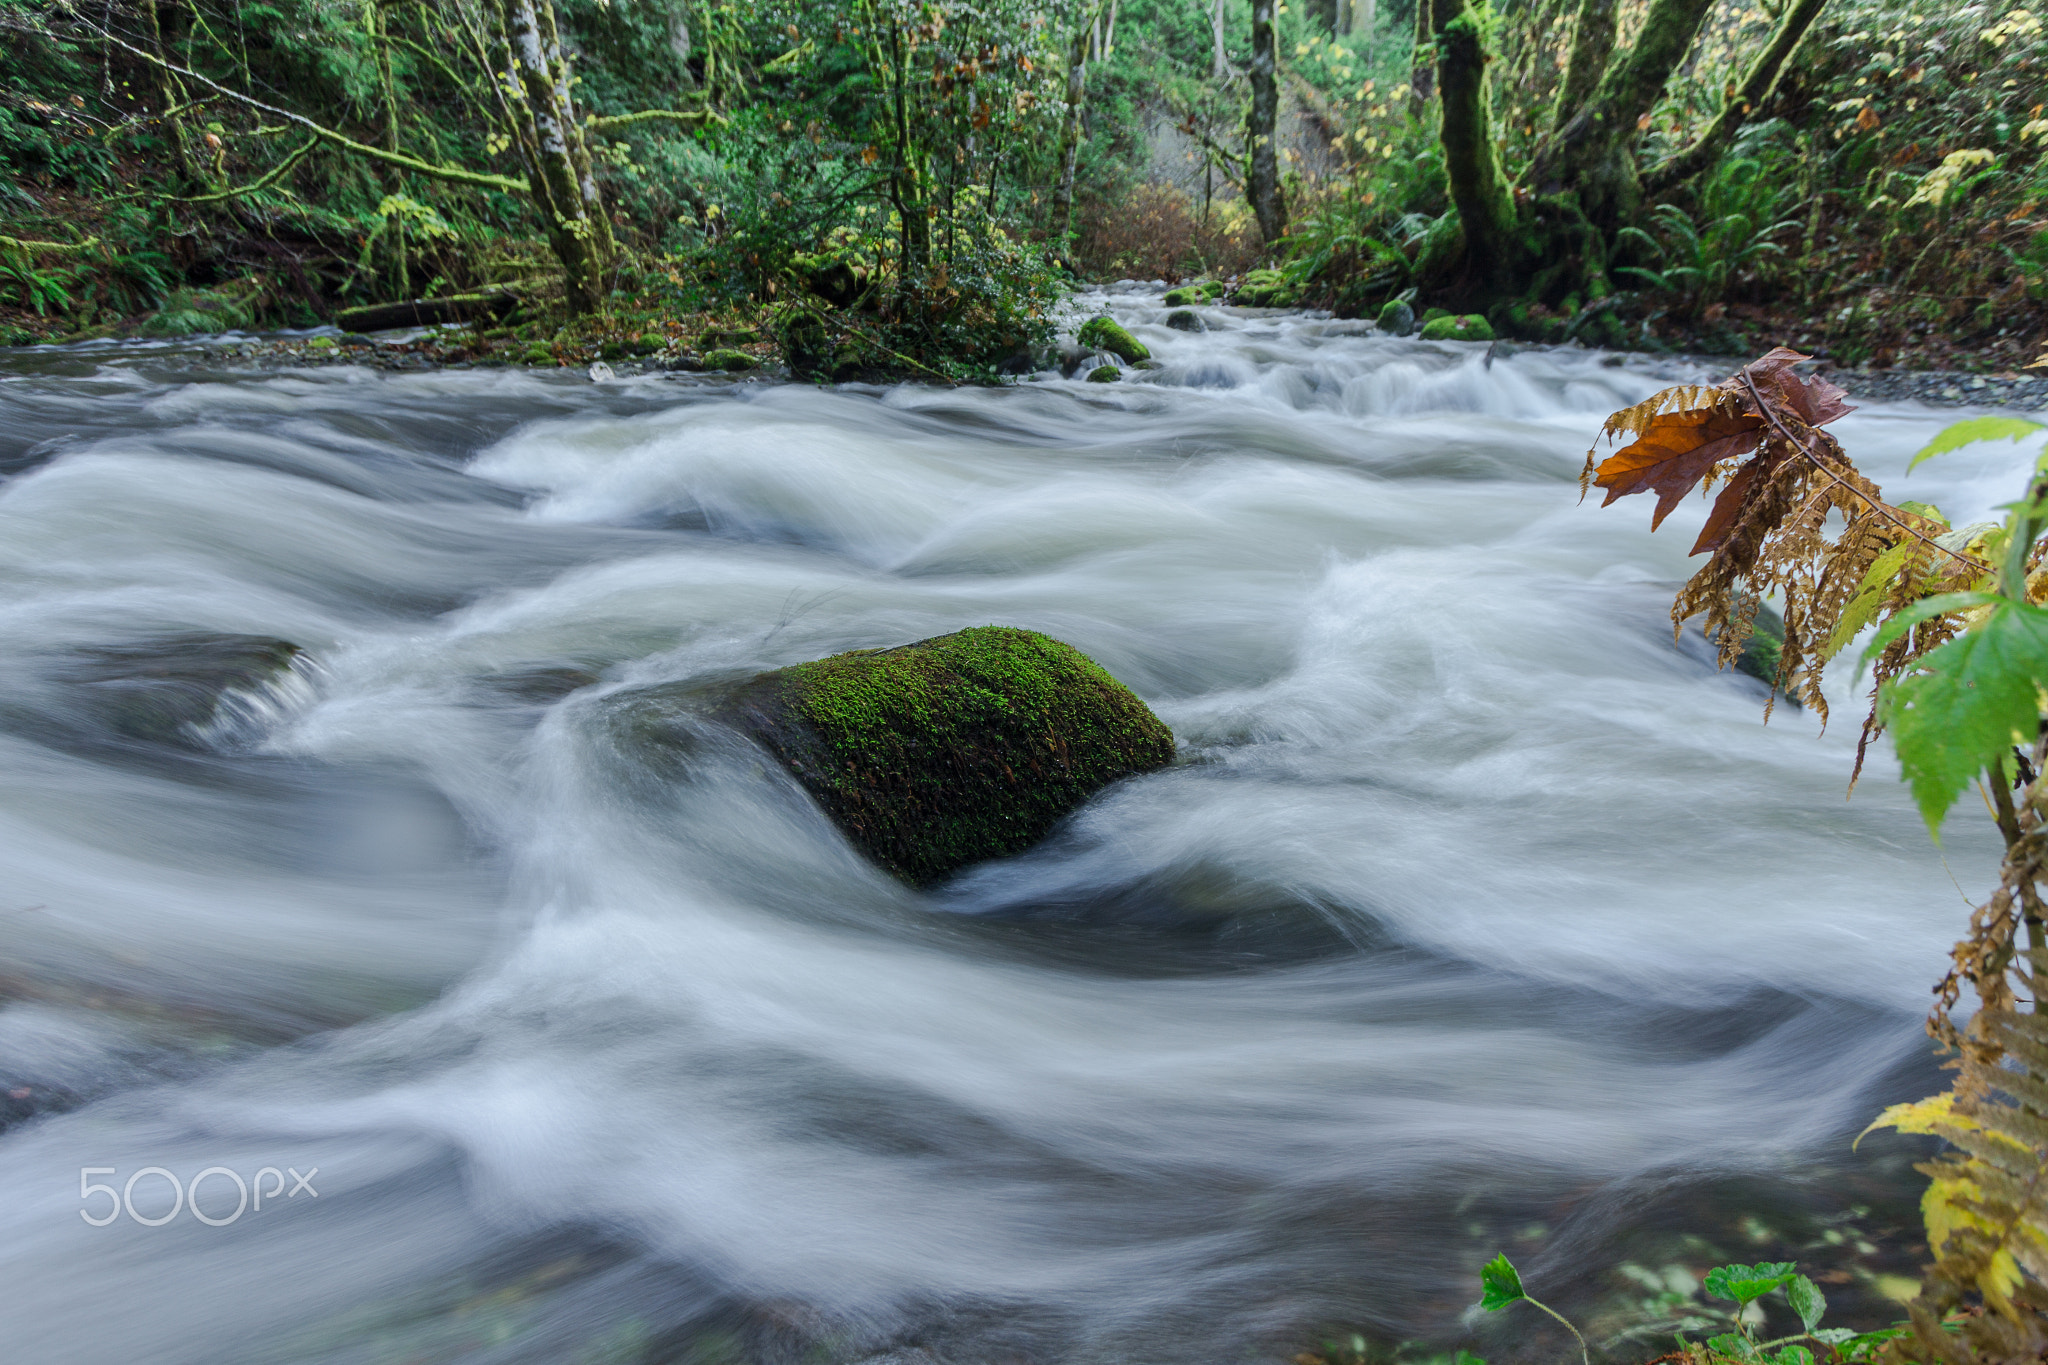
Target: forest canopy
909,185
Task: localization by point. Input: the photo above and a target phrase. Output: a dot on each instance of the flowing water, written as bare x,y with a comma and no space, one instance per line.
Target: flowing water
1475,915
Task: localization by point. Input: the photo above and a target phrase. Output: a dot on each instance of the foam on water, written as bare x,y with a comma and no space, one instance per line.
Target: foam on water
1470,889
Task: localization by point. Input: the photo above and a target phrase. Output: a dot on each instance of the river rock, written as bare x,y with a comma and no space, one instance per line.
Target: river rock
1185,320
1470,327
1107,334
166,690
1397,317
950,751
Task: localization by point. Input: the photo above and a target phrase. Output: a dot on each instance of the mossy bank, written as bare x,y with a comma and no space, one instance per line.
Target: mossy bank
954,750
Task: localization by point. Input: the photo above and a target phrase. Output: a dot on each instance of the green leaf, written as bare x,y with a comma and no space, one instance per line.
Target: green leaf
1499,1284
1959,434
1868,597
1806,1300
1965,703
1834,1336
1747,1283
1732,1344
1795,1354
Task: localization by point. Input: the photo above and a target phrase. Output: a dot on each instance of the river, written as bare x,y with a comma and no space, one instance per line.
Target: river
1474,916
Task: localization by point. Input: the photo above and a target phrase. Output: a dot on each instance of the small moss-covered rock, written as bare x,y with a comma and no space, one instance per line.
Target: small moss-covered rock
1470,327
1181,298
647,343
1107,334
1267,288
320,343
1105,374
954,750
538,354
1397,317
728,359
1430,315
1185,320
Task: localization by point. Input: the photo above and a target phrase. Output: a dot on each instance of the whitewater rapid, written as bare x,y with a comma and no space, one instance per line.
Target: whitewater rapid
1471,902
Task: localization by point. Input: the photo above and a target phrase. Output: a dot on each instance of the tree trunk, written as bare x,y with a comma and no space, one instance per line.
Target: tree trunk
1221,66
1485,201
1070,129
1589,158
1592,45
1262,172
171,94
558,162
1422,68
1756,87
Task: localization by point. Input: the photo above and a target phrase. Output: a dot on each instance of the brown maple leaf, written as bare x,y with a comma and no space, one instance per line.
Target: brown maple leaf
1674,452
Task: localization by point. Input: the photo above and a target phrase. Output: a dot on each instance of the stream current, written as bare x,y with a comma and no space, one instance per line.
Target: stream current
1474,916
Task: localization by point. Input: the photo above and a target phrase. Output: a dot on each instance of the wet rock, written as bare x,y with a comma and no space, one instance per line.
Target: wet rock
1267,288
1105,374
1185,320
168,689
1107,334
953,750
1397,317
1470,327
728,359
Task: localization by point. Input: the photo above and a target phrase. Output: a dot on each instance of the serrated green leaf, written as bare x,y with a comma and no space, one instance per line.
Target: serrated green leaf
1806,1300
1747,1283
1834,1336
1732,1344
1965,703
1795,1354
1959,434
1499,1285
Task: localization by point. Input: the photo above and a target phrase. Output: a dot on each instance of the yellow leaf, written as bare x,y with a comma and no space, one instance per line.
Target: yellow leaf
1919,1116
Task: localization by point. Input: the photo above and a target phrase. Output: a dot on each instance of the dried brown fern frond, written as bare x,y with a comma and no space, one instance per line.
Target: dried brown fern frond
1784,481
1987,1201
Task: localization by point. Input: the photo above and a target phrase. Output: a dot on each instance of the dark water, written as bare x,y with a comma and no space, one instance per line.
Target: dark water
1476,916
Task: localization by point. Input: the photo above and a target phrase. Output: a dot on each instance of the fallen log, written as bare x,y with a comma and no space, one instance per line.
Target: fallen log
379,317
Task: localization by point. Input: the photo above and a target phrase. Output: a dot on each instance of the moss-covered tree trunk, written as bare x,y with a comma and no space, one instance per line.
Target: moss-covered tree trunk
550,138
1262,169
1589,160
1756,87
1592,46
1494,248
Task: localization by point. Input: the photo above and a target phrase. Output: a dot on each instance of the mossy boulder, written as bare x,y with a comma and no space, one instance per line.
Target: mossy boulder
1430,315
728,359
1107,334
1470,327
1105,374
954,750
1185,320
1397,317
1267,288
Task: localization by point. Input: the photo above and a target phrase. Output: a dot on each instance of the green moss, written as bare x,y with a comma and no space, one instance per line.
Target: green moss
1430,315
1107,334
1397,317
1185,320
729,360
1181,298
1267,288
1470,327
970,746
1105,374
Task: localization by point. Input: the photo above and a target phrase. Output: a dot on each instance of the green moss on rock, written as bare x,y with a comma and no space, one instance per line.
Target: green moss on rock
1107,334
1105,374
954,750
1470,327
1267,288
729,360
